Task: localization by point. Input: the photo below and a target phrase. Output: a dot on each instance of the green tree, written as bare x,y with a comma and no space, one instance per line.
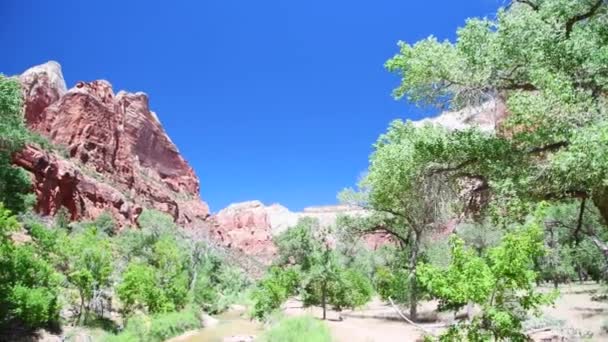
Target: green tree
90,265
274,289
137,288
161,260
311,250
29,286
15,185
405,200
541,65
501,283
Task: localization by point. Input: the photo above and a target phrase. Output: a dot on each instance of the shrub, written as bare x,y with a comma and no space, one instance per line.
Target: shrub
29,285
218,287
298,329
165,326
392,284
157,328
273,290
352,290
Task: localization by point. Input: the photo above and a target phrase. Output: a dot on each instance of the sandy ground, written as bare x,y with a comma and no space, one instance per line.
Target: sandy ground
378,321
578,311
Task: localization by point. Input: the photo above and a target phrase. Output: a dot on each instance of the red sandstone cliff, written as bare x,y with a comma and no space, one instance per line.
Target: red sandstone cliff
250,226
117,156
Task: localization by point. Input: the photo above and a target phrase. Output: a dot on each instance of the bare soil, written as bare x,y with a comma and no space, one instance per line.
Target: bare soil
378,321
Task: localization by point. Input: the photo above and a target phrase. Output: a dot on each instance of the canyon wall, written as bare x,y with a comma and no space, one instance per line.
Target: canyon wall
108,152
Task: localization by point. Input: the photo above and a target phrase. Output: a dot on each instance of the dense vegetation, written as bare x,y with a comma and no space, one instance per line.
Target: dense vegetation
477,218
310,264
541,66
297,329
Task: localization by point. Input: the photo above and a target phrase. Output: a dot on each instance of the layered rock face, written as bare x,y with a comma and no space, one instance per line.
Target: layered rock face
117,155
250,226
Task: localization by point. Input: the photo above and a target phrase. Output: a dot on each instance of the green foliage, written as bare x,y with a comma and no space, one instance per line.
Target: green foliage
28,282
147,287
351,290
218,285
90,265
392,284
160,266
13,132
137,288
62,218
548,66
273,290
315,268
14,182
296,245
406,199
157,328
502,283
298,329
172,324
480,236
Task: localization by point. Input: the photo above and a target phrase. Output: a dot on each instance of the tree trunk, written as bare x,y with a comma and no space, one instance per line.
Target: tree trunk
413,285
324,299
604,248
600,199
81,307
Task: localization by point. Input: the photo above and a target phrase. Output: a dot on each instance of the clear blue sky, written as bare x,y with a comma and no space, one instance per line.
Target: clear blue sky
272,100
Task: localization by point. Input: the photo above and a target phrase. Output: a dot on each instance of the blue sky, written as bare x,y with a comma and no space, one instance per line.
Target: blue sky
272,100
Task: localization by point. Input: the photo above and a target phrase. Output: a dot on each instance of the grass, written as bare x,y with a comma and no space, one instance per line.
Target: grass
157,328
298,329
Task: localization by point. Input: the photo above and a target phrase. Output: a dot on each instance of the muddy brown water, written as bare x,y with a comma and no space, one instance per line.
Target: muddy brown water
230,323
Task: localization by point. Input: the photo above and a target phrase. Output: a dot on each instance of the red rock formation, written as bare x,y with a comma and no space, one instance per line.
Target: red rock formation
250,226
115,138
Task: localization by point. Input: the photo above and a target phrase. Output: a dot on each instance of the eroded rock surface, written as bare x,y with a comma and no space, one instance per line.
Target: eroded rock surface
115,155
250,226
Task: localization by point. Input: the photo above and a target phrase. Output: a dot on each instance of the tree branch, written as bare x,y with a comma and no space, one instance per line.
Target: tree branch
583,16
529,3
520,86
549,147
451,168
579,223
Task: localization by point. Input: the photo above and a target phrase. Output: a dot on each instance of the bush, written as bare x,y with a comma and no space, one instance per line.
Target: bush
273,290
352,290
218,287
29,285
392,285
157,328
172,324
298,329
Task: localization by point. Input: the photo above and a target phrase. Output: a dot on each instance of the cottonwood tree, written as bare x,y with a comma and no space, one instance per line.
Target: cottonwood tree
501,283
543,66
308,263
404,200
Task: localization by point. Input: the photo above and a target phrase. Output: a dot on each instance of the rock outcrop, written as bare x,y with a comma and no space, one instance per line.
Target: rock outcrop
250,226
116,155
487,117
